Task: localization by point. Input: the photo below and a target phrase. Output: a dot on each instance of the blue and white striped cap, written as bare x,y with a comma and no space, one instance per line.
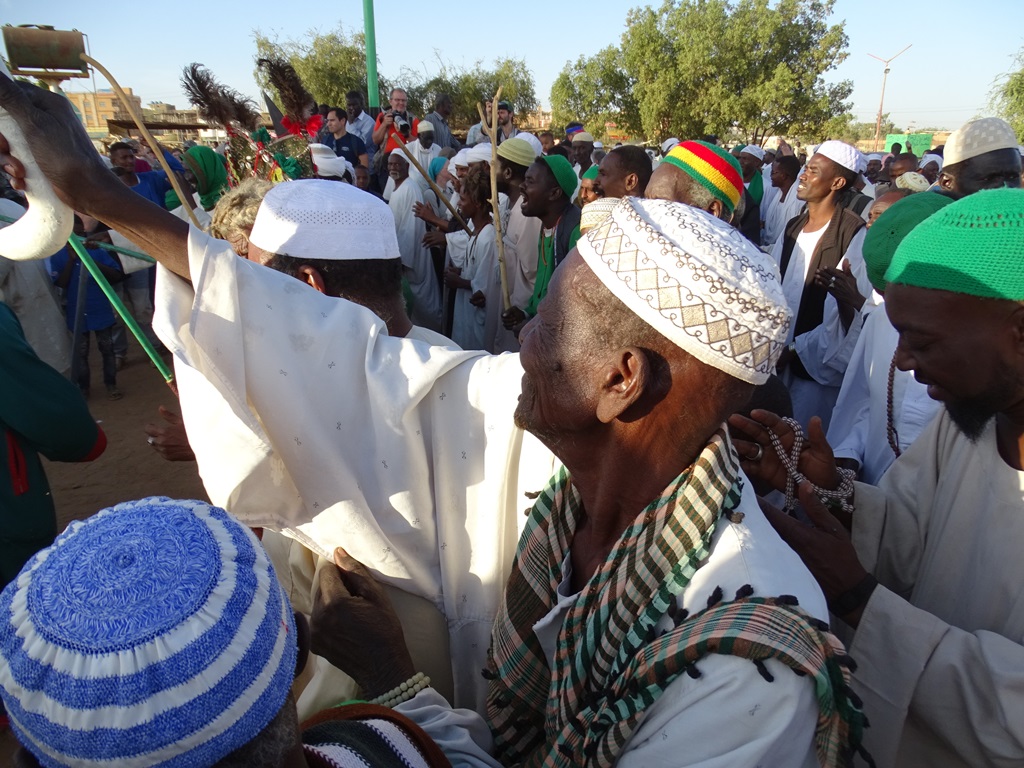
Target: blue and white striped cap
153,633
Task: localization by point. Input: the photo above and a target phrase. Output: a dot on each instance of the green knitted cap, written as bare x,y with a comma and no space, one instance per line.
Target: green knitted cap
892,226
974,246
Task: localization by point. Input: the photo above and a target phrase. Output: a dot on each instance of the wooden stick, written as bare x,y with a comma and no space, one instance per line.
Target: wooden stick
433,186
186,200
506,297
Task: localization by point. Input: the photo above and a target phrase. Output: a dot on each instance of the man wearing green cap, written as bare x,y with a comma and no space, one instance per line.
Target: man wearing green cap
547,193
929,577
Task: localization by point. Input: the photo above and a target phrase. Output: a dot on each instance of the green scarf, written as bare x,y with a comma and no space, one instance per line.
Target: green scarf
756,188
211,174
610,667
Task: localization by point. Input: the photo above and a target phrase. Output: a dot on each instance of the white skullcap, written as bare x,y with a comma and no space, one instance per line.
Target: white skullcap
329,164
929,157
873,156
696,280
594,214
598,145
913,181
753,150
424,126
986,134
479,153
319,219
668,144
532,140
839,152
461,159
582,136
862,163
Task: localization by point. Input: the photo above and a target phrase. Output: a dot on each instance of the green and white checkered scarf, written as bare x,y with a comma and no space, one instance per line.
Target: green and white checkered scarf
610,666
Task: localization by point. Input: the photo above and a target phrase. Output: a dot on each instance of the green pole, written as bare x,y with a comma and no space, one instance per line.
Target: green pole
105,246
115,300
372,89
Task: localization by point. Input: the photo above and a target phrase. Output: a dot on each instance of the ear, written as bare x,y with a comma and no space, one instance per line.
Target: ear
311,276
716,209
838,183
632,182
626,379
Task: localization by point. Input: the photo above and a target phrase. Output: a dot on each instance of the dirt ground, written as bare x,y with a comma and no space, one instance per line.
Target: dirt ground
129,468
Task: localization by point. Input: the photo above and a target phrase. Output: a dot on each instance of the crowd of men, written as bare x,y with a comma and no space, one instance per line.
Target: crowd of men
761,408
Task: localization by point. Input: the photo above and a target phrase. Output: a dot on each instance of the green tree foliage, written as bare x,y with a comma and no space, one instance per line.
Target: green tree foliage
331,64
844,128
1008,97
596,91
693,67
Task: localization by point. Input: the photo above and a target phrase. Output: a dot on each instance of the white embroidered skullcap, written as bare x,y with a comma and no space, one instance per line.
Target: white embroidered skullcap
320,219
461,159
929,157
753,150
986,134
873,156
839,152
533,141
479,153
913,181
696,280
593,214
582,137
329,164
152,633
424,126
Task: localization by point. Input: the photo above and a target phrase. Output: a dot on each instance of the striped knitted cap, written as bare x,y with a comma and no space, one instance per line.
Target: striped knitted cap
155,633
974,246
889,229
714,168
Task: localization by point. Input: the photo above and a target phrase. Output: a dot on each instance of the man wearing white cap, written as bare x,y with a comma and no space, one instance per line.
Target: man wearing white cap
424,149
981,154
825,236
416,259
582,151
409,456
751,158
667,145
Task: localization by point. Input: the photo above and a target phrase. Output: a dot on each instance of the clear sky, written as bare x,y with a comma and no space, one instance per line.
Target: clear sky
942,81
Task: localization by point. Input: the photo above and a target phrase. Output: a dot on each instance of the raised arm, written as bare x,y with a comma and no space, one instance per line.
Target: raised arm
65,155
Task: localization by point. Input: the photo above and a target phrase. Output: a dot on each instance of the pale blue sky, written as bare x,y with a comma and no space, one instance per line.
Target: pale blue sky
943,80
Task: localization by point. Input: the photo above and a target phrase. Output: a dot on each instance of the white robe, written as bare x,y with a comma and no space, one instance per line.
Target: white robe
940,646
859,427
780,212
470,323
307,418
521,237
416,260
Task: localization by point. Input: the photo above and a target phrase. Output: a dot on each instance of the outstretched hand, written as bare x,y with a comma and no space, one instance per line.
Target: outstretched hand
824,545
354,627
760,460
60,147
170,440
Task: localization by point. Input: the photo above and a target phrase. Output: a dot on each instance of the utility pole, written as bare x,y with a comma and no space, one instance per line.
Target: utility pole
372,89
881,102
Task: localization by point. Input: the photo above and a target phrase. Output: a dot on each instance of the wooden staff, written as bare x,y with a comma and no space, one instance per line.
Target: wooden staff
186,200
502,270
437,190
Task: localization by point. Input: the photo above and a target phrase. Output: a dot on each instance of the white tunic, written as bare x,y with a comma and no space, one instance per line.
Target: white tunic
780,211
469,326
416,260
521,237
307,418
859,427
940,646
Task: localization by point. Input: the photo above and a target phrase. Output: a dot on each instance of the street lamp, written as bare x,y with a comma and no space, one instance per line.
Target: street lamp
881,102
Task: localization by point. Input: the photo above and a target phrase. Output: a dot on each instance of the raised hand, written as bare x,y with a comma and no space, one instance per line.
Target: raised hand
760,460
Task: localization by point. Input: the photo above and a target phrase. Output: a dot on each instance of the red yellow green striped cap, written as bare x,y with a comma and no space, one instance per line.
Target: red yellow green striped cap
714,168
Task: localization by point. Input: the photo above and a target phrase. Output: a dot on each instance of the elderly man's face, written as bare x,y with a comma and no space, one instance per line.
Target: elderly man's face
555,353
991,170
874,166
398,168
581,152
426,139
972,366
749,165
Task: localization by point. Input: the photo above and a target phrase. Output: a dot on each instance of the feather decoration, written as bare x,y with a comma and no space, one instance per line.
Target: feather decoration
207,95
296,100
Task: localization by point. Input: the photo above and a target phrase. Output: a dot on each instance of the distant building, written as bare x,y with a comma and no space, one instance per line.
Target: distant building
94,109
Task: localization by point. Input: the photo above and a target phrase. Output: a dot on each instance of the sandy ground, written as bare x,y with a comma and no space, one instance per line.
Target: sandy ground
129,468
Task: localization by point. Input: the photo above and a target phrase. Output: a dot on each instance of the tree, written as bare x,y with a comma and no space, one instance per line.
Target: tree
1008,97
695,67
329,64
844,128
596,91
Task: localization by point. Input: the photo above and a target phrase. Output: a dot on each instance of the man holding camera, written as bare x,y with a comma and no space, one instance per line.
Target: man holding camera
395,120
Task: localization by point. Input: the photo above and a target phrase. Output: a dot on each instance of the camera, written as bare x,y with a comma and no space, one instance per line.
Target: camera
401,124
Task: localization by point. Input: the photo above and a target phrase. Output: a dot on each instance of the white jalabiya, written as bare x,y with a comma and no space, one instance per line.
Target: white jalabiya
522,238
780,211
769,723
470,323
859,427
940,646
308,419
416,260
